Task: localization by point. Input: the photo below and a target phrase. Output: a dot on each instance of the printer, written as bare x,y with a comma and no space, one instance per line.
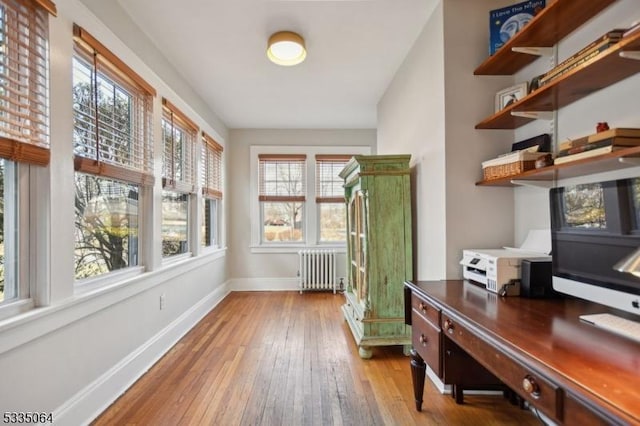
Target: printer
497,269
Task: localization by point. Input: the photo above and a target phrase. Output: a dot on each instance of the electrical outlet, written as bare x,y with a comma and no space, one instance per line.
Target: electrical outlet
163,301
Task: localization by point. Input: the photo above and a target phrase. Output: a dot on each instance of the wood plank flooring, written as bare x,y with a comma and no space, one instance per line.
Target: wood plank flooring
282,358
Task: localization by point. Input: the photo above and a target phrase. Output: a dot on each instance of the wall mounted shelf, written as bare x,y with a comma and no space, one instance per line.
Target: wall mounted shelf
557,20
629,157
607,68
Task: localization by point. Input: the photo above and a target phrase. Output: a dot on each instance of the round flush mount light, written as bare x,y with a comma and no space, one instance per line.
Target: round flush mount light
286,48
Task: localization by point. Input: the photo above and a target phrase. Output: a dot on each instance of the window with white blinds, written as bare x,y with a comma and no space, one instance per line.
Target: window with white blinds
211,167
112,115
24,80
179,136
329,185
282,178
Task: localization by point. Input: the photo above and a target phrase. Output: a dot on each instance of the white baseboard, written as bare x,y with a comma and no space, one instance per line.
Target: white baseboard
264,284
442,388
87,404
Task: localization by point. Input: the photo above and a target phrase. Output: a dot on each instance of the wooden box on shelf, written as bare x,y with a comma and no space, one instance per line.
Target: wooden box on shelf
510,164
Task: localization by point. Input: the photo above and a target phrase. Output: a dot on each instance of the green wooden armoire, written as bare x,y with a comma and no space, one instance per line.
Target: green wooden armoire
379,260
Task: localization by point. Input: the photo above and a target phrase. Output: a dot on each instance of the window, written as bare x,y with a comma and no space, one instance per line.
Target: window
9,232
178,178
282,196
106,225
113,157
211,190
297,196
332,218
24,130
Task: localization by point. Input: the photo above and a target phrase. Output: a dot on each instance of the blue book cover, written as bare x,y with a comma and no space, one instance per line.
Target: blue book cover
505,22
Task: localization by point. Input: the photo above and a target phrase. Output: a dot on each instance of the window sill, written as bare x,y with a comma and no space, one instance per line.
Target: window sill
296,248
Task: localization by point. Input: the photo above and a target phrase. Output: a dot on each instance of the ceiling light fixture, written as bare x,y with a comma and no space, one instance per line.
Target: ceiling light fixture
286,48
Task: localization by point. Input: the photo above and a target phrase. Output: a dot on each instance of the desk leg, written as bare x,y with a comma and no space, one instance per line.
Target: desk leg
418,370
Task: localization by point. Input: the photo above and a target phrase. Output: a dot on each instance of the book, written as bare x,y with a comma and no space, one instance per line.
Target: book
571,143
613,35
584,57
505,22
601,43
586,154
621,134
585,147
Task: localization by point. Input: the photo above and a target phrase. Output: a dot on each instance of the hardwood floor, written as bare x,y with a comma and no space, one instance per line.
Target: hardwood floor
282,358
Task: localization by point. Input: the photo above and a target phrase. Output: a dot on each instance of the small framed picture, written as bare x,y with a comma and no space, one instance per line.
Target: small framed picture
511,95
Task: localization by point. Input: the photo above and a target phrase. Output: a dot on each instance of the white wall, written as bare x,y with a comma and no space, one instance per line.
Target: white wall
435,123
411,121
78,351
266,271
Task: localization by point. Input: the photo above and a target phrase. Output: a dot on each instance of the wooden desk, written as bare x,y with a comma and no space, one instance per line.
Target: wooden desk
571,371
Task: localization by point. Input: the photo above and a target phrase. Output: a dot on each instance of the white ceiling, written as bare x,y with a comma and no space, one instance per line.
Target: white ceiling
219,46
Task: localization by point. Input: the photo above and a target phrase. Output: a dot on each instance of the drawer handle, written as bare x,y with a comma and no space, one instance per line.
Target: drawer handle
423,339
530,386
448,325
422,307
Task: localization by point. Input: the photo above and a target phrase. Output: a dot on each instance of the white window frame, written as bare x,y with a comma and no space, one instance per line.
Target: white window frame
214,242
30,224
179,122
216,223
311,220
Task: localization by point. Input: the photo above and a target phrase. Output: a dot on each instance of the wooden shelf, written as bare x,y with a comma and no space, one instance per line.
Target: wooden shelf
557,20
597,73
586,166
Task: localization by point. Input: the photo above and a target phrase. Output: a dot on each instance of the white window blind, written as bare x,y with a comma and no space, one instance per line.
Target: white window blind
179,136
329,185
282,177
112,115
211,167
24,80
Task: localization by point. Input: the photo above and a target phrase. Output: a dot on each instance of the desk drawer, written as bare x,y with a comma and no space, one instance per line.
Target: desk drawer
540,392
426,340
425,309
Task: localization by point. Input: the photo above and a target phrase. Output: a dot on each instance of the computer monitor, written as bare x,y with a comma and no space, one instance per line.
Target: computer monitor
593,227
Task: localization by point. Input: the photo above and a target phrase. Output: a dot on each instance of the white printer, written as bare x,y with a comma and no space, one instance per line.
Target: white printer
497,269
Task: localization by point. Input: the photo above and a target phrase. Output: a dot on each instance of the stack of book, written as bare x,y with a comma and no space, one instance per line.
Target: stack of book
588,52
597,144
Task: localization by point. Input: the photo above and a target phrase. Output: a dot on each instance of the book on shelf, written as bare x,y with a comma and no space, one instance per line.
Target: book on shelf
586,147
507,21
609,36
587,154
588,52
619,133
572,143
622,136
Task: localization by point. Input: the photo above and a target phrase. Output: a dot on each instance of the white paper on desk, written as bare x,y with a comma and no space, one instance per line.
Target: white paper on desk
538,240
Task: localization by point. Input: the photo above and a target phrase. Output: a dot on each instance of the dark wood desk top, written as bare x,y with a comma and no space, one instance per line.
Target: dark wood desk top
547,335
